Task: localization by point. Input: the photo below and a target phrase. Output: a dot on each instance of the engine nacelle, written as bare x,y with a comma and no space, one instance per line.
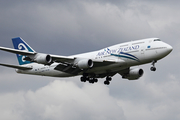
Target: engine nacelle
85,64
134,74
43,59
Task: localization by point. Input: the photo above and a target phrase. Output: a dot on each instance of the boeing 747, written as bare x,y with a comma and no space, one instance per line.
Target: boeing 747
104,63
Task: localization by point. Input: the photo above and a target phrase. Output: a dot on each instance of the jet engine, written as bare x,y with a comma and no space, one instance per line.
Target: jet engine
134,74
85,63
43,59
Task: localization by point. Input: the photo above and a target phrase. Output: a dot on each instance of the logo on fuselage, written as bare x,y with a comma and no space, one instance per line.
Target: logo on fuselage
121,52
108,51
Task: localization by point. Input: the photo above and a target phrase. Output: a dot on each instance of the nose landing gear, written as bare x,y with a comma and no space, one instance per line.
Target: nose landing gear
153,68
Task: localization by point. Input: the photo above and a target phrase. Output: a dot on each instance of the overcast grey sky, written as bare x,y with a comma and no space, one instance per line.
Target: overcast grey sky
66,27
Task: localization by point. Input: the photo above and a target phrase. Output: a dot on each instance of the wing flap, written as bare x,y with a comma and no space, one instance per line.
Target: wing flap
67,68
101,63
16,67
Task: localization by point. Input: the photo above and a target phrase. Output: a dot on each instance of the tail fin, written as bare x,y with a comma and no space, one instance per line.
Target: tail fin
20,44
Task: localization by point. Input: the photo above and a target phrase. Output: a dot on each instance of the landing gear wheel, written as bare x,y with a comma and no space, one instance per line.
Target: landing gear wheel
108,78
95,80
106,82
91,81
83,79
153,68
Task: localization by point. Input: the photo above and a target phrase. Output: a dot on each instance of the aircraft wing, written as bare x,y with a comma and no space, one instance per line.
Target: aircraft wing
16,67
70,68
100,63
66,64
57,58
17,51
67,59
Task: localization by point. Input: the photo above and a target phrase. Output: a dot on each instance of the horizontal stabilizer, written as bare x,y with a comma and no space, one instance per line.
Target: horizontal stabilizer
16,67
21,52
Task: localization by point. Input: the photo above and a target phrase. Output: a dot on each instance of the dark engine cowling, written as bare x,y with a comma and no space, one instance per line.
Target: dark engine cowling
134,74
85,64
43,59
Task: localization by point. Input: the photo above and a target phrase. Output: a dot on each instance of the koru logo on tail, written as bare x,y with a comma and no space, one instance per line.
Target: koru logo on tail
21,46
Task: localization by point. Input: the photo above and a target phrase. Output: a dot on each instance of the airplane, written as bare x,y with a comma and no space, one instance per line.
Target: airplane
103,63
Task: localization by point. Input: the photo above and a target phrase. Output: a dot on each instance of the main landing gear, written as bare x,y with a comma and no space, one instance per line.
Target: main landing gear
85,78
108,79
153,68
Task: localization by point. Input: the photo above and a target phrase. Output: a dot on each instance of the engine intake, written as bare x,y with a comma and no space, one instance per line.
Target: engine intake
43,59
85,64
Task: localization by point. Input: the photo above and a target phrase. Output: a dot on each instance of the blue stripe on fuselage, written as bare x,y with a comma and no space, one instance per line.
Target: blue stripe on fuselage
129,56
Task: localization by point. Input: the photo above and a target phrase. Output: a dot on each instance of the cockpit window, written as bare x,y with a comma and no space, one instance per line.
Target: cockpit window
157,40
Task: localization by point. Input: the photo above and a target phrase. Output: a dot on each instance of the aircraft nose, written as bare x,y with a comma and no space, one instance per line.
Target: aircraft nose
169,48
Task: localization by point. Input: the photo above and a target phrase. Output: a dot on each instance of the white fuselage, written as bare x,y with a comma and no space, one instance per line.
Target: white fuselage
123,55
